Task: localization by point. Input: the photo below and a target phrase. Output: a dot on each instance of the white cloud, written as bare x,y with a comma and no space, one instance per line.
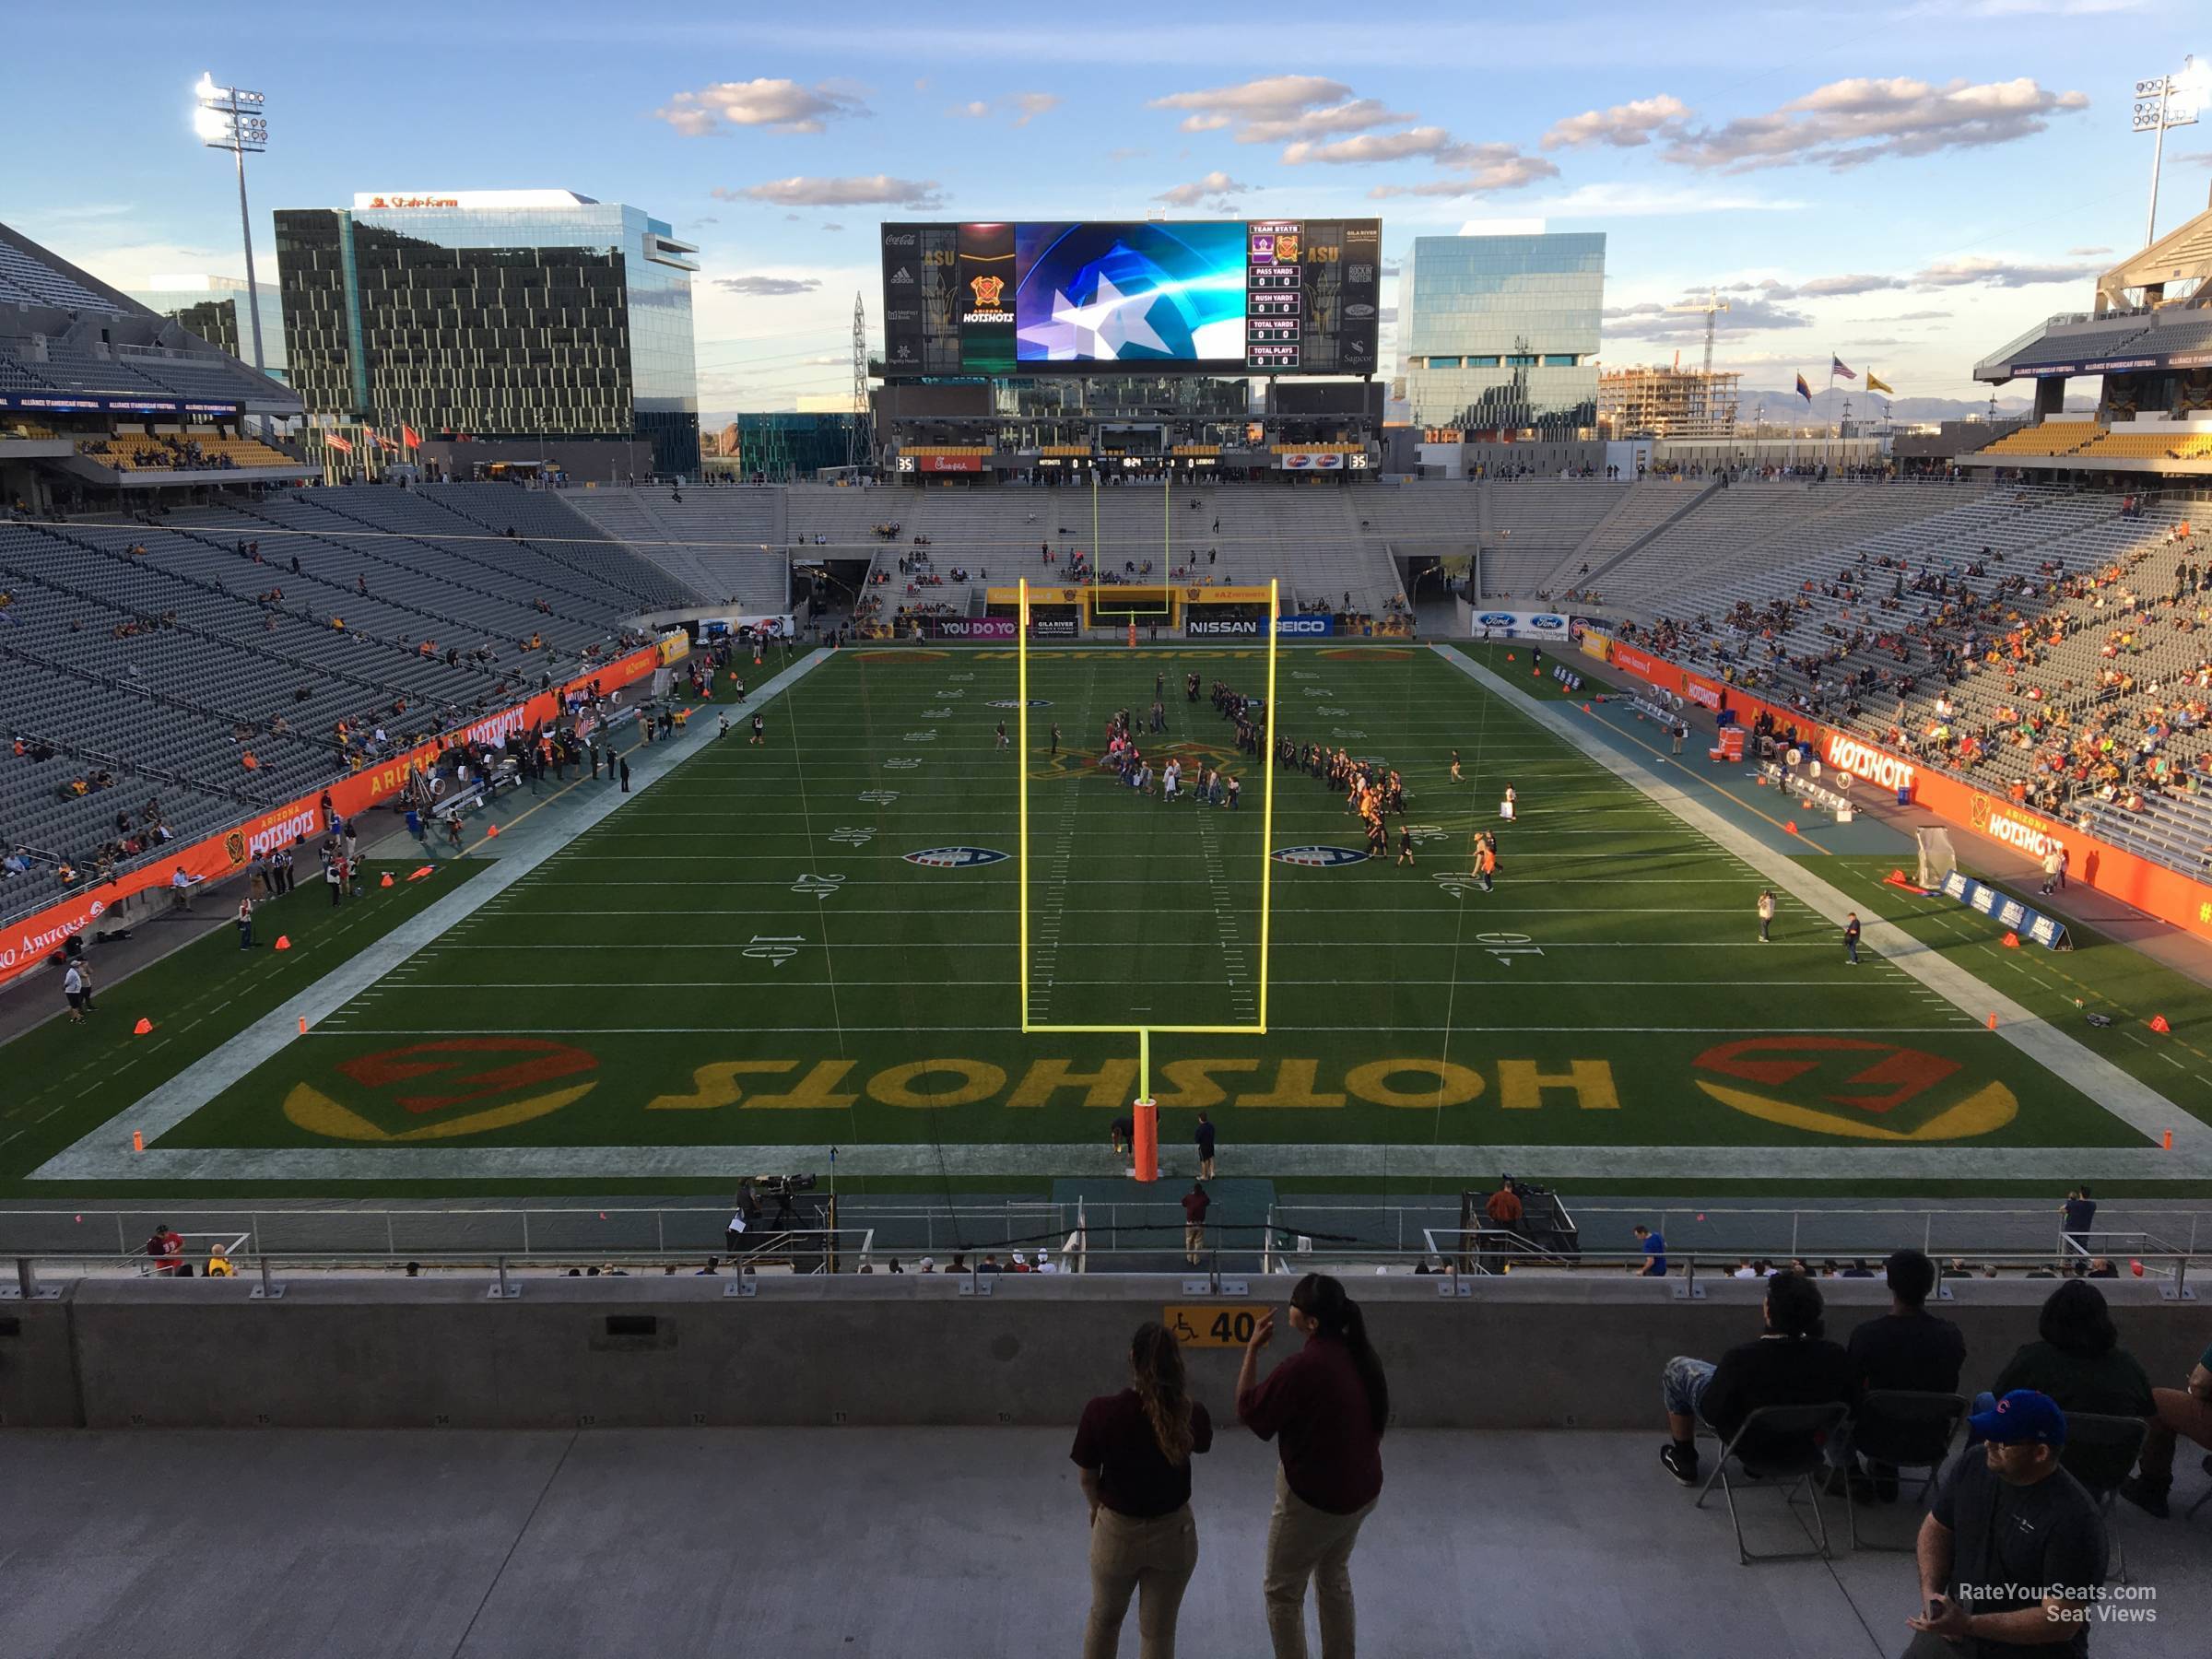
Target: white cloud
869,189
783,106
1127,153
765,288
2087,252
973,111
1033,104
1370,147
1999,273
1216,186
1269,97
1850,122
1623,126
1481,169
1353,115
1652,321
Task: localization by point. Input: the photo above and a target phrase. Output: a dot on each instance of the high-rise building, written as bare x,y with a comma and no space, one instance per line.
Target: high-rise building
214,308
1667,402
538,315
1499,332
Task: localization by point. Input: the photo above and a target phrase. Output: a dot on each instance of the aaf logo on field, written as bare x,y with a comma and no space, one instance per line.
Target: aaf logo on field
1856,1088
430,1091
1014,702
1320,858
956,858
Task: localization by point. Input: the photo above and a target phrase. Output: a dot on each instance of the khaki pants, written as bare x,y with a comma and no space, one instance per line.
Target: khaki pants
1205,1168
1307,1542
1129,1556
1194,1242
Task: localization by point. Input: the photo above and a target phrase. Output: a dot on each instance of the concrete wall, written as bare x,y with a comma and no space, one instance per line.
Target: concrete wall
1519,1353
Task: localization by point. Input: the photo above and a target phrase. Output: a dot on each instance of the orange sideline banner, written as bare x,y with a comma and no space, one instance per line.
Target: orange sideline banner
2151,887
28,942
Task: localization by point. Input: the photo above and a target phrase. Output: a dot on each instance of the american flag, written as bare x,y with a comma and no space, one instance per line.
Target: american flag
1835,367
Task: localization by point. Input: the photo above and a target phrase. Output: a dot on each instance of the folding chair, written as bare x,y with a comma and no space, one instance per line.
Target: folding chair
2101,1452
1908,1429
1780,1447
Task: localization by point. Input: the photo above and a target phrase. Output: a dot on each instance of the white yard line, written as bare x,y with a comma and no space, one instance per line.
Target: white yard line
2136,1104
105,1151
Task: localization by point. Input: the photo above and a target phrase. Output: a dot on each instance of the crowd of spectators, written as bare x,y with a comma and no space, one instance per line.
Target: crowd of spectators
1966,675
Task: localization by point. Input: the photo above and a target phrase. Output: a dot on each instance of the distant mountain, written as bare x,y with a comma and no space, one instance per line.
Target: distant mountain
1784,404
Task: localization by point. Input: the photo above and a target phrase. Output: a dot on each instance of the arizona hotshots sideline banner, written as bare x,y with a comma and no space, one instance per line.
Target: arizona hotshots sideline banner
27,942
2127,877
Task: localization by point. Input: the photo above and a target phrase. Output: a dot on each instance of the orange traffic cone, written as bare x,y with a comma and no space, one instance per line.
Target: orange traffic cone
418,874
1992,1022
491,830
1791,826
303,1025
142,1028
1585,708
2158,1024
1509,656
283,941
2011,941
387,880
137,1140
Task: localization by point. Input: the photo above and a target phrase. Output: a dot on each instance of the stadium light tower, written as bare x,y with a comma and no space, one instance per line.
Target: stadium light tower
2163,101
230,118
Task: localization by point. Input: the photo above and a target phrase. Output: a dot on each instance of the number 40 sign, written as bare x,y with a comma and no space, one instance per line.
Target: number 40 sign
1212,1325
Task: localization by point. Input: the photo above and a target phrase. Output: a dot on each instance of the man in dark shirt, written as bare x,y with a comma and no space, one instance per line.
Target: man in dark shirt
2013,1546
1907,1347
2080,1211
1850,938
1790,1365
1654,1246
1205,1137
1194,1204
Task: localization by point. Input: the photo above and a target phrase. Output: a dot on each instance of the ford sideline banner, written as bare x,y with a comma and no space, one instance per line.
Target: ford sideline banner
1517,625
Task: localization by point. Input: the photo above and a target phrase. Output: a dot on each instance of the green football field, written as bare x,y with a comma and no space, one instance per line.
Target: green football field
814,942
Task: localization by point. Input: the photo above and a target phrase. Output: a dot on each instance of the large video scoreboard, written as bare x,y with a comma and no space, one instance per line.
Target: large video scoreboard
1208,296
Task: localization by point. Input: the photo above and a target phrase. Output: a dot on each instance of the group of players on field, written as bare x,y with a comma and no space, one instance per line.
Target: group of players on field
1373,790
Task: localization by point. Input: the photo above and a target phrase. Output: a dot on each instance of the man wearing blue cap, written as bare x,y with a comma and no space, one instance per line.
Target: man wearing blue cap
2012,1549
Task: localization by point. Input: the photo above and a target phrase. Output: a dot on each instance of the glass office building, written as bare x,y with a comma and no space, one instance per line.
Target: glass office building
1498,335
214,308
508,315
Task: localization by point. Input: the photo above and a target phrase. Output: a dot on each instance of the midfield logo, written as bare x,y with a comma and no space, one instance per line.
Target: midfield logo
956,858
1321,858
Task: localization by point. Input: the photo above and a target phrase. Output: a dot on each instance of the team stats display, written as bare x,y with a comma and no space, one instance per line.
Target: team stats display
1209,296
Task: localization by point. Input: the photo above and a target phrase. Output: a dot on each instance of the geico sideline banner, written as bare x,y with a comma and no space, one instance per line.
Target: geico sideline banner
26,943
2153,889
1517,625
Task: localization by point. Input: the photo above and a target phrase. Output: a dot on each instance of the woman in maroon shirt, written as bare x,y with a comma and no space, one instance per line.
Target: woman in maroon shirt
1134,1450
1325,1408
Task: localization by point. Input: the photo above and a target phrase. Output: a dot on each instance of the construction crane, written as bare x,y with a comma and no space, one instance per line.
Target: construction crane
1701,405
1710,308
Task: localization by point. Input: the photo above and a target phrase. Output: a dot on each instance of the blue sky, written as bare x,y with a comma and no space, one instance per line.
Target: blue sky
1908,185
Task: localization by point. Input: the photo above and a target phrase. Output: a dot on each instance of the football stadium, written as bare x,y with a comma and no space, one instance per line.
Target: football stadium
1251,758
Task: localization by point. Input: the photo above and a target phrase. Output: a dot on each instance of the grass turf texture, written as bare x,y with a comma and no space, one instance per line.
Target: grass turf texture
66,1079
683,984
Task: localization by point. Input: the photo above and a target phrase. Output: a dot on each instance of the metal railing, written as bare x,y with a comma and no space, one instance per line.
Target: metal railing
1084,1235
802,1251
